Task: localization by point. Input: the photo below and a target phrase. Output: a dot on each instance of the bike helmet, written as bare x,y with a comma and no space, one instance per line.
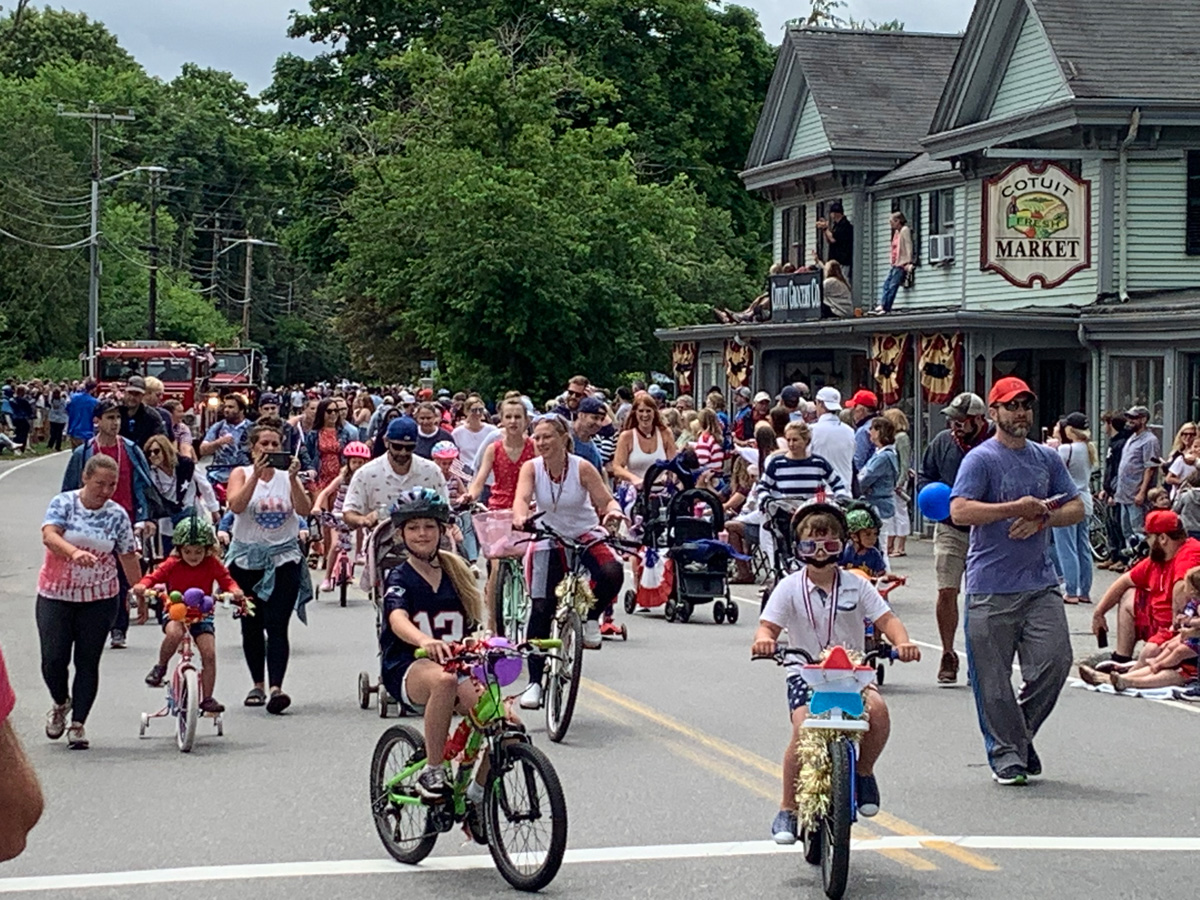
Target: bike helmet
815,507
444,450
861,515
420,503
356,450
193,532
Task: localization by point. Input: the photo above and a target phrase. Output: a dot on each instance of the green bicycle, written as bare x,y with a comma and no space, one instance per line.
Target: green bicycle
522,816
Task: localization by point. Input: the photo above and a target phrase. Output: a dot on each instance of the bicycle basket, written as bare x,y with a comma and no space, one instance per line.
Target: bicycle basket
497,539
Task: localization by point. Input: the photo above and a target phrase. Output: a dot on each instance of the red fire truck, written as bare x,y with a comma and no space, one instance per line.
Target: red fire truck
182,368
240,369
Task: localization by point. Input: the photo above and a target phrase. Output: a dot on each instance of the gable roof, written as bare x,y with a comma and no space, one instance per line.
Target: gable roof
875,91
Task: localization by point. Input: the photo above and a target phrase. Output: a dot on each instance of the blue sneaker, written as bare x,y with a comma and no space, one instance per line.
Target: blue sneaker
785,827
867,790
1191,693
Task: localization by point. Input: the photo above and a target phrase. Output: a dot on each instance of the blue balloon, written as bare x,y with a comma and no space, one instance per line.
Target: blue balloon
934,501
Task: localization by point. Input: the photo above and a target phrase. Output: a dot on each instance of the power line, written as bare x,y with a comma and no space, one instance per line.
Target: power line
80,243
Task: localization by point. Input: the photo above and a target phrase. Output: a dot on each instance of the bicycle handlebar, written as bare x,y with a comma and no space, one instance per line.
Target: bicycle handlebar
781,654
466,655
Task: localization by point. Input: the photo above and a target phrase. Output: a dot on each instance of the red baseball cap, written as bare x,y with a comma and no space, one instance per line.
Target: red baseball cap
1163,521
863,398
1009,388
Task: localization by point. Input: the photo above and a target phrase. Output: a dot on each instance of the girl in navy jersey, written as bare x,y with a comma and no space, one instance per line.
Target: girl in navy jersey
431,601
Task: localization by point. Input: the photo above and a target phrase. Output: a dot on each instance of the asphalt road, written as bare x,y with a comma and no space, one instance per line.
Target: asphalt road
670,770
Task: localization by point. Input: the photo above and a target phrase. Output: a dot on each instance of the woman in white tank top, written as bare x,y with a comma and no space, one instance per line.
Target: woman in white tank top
575,502
645,440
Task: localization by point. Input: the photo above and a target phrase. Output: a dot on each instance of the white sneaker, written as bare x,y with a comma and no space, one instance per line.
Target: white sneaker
591,635
531,697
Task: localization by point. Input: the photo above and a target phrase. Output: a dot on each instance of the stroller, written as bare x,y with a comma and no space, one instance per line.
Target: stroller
383,553
694,562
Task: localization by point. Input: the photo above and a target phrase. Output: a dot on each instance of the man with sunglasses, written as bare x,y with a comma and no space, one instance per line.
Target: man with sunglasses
376,485
1136,473
966,428
1011,492
577,388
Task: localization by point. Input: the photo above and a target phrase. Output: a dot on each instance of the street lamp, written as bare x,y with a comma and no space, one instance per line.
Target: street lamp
94,276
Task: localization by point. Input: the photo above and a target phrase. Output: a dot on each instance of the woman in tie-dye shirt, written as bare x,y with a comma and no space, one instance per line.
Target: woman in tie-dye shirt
266,561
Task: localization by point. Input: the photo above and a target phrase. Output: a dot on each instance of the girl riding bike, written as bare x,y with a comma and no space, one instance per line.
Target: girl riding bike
329,503
193,563
822,606
431,601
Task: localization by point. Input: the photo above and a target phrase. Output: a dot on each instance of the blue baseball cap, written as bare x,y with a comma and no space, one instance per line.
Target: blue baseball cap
402,429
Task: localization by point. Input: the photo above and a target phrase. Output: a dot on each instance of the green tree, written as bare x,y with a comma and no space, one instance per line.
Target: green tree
826,14
518,246
32,38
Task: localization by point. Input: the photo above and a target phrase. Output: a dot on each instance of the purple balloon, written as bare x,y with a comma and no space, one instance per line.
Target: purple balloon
207,604
193,598
508,668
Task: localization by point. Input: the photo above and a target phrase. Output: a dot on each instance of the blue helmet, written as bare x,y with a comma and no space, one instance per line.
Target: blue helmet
420,503
402,429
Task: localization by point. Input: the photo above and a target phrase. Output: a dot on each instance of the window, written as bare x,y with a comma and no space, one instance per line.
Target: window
712,372
822,245
1193,203
1138,381
941,212
910,206
794,233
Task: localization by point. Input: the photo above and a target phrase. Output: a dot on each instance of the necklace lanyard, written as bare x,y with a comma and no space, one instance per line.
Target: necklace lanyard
562,483
810,608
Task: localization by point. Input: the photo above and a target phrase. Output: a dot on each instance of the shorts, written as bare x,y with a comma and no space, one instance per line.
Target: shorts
204,626
1145,627
798,692
400,691
949,555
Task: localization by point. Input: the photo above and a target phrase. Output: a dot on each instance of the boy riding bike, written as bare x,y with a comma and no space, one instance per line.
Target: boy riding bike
192,564
822,606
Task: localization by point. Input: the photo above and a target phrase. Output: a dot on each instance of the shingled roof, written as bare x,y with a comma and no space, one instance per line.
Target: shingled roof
875,90
1112,49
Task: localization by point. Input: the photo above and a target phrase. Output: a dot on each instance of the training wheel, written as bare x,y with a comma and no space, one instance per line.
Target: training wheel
220,723
624,633
364,690
383,701
630,602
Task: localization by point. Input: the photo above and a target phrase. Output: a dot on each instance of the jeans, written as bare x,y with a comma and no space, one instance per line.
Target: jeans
1074,551
1133,521
67,628
265,634
891,284
21,431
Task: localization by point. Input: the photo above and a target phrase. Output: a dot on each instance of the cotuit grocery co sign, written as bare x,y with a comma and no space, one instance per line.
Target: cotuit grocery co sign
1037,224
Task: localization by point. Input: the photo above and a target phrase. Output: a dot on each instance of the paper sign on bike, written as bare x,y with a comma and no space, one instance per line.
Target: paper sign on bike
837,685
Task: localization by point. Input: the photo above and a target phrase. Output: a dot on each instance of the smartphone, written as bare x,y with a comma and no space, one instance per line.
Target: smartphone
1102,639
279,460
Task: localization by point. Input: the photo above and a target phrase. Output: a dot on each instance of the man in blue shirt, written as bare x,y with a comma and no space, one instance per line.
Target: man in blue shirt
81,409
862,406
589,418
228,440
1011,492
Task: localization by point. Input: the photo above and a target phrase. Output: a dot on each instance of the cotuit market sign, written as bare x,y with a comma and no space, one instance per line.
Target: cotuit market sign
1037,224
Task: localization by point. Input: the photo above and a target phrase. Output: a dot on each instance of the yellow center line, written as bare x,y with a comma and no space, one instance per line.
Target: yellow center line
774,770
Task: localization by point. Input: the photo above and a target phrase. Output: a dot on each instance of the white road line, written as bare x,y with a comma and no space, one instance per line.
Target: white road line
29,462
327,868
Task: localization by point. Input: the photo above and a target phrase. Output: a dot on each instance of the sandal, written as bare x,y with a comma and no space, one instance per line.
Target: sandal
278,703
1071,601
256,697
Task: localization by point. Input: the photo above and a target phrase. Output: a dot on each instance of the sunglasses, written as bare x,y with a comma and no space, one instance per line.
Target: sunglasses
480,410
577,393
154,451
1015,405
401,447
808,547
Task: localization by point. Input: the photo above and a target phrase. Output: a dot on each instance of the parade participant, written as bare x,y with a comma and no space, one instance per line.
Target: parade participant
474,433
331,501
645,440
225,441
375,487
139,421
430,430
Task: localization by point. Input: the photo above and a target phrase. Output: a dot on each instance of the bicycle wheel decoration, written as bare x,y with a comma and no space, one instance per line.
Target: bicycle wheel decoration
579,592
837,682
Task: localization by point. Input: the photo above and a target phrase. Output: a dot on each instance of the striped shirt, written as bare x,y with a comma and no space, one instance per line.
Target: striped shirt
709,453
786,477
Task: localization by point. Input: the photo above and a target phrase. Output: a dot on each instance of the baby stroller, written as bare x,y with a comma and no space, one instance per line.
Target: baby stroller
383,553
653,572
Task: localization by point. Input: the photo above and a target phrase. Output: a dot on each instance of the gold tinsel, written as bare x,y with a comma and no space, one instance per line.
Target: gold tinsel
579,591
813,785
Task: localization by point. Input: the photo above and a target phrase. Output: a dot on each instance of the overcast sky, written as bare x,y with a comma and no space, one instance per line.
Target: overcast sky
246,36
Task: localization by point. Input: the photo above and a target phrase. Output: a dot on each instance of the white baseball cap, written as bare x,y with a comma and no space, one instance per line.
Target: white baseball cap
761,396
831,397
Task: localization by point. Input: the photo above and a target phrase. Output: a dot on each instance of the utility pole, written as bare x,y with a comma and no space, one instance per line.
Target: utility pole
152,324
250,243
95,117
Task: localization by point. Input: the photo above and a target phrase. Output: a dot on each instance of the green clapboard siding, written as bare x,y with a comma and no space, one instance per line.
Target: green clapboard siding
777,234
935,286
1031,79
1157,223
810,139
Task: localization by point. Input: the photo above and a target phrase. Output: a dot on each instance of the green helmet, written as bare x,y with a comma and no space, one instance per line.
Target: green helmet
193,532
859,520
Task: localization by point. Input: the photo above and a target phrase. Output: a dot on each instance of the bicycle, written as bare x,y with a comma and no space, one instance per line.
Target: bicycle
183,689
494,533
512,800
342,571
826,818
575,599
778,512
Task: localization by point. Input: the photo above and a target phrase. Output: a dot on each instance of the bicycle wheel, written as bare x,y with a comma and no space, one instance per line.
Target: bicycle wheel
1098,536
835,827
563,671
403,827
514,602
187,710
526,816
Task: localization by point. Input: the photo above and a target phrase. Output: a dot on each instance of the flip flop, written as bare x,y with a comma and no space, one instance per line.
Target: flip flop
256,697
278,703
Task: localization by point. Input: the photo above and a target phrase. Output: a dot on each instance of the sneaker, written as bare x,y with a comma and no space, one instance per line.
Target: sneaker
431,784
1016,775
210,705
877,311
867,789
531,697
591,635
948,671
1191,693
785,827
155,677
1033,764
56,720
77,737
1109,666
118,639
326,586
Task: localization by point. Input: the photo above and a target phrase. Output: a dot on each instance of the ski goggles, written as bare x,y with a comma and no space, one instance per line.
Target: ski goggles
808,547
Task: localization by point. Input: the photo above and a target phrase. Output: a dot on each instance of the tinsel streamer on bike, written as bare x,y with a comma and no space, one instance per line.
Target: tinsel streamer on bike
583,600
813,787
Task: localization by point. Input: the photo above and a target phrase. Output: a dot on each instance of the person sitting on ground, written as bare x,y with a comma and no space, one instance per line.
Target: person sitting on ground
836,619
1187,503
1158,498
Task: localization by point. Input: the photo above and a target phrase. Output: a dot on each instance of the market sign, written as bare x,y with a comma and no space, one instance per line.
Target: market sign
795,297
1037,224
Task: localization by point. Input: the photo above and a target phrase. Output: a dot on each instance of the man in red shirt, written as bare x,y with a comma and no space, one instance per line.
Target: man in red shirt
1148,596
20,795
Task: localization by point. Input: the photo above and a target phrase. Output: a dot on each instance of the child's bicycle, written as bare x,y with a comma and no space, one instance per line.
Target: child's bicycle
523,814
342,572
873,641
506,550
183,688
826,819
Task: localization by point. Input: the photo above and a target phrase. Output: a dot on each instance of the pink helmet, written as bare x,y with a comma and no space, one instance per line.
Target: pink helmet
444,450
356,449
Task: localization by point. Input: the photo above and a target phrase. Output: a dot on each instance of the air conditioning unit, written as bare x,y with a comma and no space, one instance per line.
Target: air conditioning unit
941,249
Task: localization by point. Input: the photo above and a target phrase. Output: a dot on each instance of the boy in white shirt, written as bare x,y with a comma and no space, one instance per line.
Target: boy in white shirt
801,603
